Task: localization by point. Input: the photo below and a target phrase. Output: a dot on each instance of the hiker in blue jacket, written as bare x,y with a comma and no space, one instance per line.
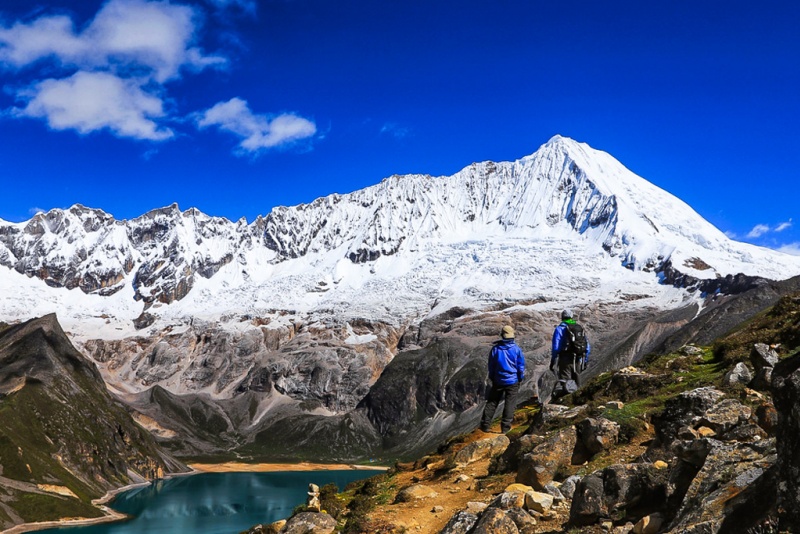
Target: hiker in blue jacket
569,354
506,371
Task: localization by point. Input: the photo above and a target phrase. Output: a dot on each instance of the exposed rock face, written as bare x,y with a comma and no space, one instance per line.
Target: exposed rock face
717,495
310,365
446,378
786,395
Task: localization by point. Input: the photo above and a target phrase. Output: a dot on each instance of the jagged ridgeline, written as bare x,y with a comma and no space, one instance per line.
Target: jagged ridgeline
63,439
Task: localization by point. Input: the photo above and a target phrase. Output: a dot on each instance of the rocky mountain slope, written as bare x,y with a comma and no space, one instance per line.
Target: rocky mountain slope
697,440
64,440
306,318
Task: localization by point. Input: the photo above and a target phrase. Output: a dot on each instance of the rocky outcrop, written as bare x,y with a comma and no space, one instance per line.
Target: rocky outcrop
538,467
786,396
636,489
479,450
310,523
597,435
313,367
461,523
716,494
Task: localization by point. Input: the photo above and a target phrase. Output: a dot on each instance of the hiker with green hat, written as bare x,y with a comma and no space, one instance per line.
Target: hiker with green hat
506,371
569,355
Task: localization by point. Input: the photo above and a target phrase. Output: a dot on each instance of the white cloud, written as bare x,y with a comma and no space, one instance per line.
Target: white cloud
791,248
34,211
89,101
22,44
112,72
257,132
761,229
147,38
395,130
758,230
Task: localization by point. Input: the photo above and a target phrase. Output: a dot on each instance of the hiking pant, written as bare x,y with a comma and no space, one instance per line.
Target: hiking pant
567,370
494,396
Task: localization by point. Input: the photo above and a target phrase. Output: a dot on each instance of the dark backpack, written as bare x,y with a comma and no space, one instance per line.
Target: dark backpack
576,341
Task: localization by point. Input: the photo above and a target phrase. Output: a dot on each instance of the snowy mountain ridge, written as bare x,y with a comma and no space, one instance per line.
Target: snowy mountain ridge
567,223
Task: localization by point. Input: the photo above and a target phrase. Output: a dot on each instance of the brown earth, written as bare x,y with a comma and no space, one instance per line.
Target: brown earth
420,516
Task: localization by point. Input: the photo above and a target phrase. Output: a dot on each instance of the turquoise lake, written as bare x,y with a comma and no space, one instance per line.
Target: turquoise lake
214,503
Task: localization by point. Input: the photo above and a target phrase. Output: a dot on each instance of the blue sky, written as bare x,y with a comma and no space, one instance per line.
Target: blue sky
236,106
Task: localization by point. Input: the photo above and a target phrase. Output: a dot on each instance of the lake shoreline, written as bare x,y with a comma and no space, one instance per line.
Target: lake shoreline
112,515
241,467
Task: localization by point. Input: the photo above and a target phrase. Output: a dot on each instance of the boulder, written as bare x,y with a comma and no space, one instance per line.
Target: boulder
723,416
310,523
763,356
555,415
524,521
508,500
552,489
521,488
634,490
509,460
495,521
461,523
568,486
597,435
691,350
479,450
538,467
415,492
680,413
649,524
538,502
739,374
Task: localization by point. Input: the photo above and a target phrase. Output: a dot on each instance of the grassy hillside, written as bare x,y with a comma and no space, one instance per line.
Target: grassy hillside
63,440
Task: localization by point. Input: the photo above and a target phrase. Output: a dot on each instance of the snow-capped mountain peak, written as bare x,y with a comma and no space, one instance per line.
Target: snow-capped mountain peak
567,219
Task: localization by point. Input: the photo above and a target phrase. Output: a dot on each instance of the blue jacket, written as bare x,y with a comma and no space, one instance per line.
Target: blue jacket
506,363
560,342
